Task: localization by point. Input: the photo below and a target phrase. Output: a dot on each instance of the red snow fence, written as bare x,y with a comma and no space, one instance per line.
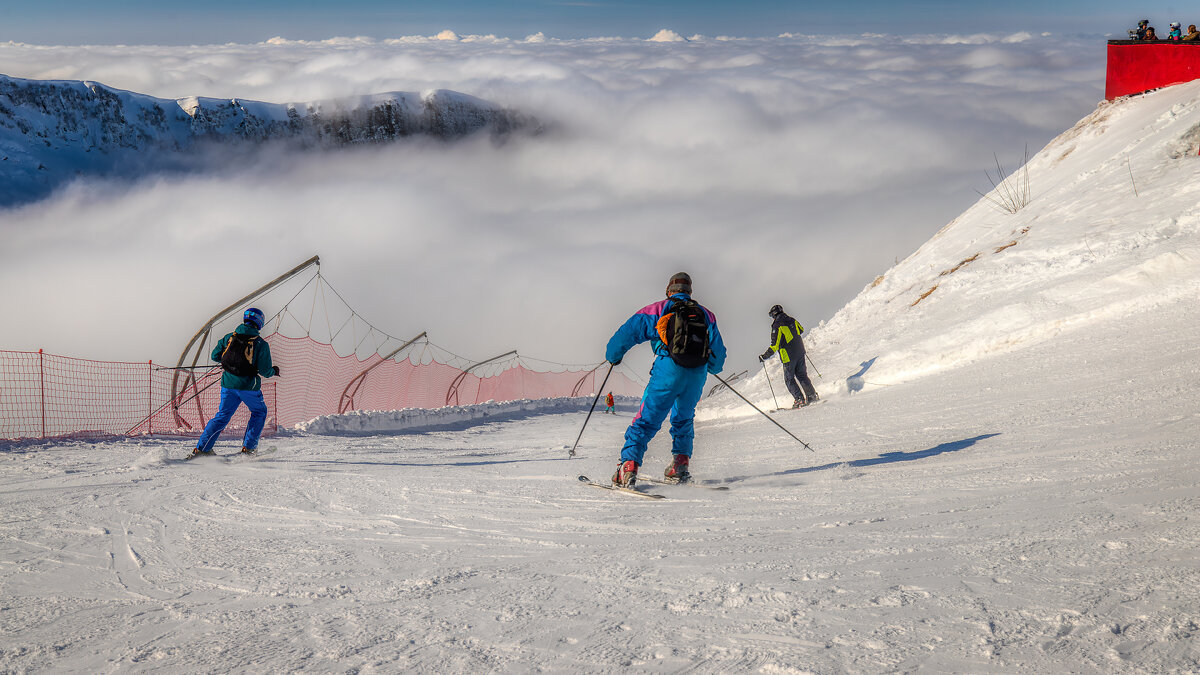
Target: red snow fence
49,396
1136,66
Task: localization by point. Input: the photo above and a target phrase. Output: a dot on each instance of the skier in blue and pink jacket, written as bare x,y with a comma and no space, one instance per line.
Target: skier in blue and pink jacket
673,388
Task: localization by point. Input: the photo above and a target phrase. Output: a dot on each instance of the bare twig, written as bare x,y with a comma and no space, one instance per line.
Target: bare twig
1129,166
1009,194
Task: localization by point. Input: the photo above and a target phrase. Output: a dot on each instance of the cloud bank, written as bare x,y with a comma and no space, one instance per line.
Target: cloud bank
789,170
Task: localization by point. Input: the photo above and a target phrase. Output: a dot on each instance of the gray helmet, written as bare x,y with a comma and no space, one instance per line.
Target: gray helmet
680,282
775,311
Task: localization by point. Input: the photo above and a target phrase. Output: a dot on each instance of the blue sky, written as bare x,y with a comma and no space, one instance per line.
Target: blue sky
219,21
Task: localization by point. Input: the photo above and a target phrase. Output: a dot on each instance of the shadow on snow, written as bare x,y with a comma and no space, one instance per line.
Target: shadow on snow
885,458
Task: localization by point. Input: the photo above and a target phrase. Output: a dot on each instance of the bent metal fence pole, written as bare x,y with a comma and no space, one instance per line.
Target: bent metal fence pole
579,384
452,392
202,334
347,400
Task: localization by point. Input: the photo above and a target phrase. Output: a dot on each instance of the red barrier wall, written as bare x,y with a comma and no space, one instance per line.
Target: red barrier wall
1134,67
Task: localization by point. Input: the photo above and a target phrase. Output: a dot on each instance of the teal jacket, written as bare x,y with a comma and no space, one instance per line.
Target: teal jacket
262,361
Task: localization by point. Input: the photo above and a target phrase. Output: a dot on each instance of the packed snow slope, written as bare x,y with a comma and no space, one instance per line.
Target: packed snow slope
52,131
1109,233
1004,480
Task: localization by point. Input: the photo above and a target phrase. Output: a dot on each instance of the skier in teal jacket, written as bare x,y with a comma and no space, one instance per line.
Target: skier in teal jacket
672,387
253,362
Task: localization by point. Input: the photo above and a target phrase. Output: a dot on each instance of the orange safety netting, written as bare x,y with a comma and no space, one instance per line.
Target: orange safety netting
44,395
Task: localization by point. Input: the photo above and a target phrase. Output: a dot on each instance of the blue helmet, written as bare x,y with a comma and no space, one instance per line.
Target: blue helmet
254,317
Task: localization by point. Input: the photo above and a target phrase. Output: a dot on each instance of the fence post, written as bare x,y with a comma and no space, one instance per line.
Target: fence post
150,397
42,388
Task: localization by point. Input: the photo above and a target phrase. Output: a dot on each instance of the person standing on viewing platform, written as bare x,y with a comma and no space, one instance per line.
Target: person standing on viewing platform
1192,34
246,358
1175,35
1150,35
1140,33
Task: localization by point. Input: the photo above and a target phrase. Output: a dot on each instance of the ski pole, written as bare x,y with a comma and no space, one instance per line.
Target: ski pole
761,412
767,371
593,408
813,365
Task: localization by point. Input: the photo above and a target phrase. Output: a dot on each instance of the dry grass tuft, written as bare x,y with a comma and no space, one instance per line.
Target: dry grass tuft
924,295
954,269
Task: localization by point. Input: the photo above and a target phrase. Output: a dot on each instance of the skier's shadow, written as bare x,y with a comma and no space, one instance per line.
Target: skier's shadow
885,458
855,382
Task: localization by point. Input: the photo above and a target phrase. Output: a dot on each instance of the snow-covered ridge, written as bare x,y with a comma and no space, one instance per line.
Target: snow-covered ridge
1112,230
52,131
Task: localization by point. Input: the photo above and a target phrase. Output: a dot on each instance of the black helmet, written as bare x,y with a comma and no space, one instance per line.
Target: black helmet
775,311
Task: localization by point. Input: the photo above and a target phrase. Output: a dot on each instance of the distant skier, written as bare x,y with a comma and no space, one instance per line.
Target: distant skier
245,357
786,340
687,346
608,400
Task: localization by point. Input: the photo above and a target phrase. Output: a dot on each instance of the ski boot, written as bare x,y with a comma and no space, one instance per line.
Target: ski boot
678,471
249,451
799,403
626,475
197,452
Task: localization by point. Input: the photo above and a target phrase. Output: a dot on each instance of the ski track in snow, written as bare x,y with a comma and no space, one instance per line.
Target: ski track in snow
1010,488
956,524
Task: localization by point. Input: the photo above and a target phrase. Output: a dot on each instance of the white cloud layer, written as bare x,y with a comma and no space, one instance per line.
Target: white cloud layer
790,170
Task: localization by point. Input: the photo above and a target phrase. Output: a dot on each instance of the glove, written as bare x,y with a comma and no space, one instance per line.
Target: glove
616,363
275,370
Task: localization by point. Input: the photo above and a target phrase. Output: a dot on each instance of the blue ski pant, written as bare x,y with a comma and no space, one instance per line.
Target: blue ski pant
230,400
672,389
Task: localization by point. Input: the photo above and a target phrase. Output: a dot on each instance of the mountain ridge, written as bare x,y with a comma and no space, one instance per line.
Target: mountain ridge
52,131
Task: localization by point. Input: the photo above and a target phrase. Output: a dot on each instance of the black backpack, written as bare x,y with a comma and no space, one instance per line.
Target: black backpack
684,331
238,357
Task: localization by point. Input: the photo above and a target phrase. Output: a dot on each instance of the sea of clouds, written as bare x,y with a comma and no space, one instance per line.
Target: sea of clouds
785,170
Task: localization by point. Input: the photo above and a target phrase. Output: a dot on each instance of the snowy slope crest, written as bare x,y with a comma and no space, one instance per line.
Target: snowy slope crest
1112,230
53,131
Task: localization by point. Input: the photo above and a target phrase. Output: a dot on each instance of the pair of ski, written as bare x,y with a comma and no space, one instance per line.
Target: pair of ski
808,405
233,457
646,479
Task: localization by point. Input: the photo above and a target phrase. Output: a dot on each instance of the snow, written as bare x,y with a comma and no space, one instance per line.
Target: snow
1004,480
